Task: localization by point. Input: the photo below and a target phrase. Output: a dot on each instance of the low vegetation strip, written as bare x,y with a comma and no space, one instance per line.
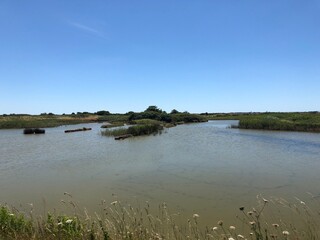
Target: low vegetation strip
278,124
38,121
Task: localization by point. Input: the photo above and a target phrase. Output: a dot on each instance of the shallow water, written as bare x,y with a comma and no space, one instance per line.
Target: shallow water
204,168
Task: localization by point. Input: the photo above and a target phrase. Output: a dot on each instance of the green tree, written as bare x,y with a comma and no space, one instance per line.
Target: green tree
174,111
103,112
153,109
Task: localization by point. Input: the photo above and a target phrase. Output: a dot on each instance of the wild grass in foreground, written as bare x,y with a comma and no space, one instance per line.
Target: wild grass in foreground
123,221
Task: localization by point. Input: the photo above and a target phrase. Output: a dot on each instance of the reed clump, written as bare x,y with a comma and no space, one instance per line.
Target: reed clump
273,123
113,125
135,130
285,121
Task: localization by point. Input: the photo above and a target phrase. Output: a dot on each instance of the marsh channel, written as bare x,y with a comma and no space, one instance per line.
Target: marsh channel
204,168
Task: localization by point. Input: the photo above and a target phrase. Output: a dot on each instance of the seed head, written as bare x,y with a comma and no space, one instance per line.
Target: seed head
196,215
276,225
69,221
114,202
285,233
232,228
220,223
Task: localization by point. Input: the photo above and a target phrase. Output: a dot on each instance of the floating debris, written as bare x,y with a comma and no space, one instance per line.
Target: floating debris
78,130
33,131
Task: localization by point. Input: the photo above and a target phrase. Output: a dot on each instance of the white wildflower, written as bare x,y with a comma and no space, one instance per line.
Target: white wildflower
285,233
69,221
114,203
196,215
232,228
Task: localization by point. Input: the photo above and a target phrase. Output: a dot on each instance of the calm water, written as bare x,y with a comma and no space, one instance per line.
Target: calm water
204,168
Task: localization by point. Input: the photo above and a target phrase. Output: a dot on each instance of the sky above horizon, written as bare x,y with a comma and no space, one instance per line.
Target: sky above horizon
197,56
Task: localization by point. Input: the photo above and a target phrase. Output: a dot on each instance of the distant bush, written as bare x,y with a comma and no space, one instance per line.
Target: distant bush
102,112
155,115
187,118
174,111
153,109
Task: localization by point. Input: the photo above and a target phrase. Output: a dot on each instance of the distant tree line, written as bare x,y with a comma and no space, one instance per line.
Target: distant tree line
155,113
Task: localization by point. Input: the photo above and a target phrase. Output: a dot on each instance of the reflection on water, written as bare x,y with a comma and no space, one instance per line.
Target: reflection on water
205,168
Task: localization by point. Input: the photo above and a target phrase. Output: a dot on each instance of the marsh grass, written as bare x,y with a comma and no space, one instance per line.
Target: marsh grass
295,121
146,121
267,221
273,123
118,131
135,130
42,121
113,125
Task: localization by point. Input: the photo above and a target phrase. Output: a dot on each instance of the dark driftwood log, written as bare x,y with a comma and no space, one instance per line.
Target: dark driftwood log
78,130
39,131
34,131
28,131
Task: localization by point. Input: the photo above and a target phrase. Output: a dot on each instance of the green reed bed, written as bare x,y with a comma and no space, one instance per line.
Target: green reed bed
113,125
40,121
118,221
306,122
135,130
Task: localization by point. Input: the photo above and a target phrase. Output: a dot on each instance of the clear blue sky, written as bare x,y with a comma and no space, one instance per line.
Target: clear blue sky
197,56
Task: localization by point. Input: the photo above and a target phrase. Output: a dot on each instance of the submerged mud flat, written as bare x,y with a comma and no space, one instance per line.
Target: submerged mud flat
204,168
